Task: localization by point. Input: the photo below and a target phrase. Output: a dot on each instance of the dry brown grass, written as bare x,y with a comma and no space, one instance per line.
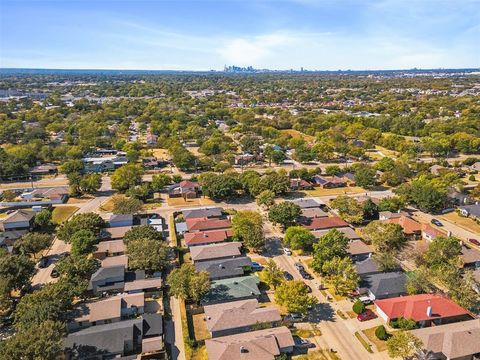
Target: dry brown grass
181,202
107,206
379,344
297,134
61,213
161,154
332,192
463,222
200,327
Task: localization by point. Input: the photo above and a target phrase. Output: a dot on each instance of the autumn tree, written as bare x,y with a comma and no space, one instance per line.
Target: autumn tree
187,283
293,295
247,227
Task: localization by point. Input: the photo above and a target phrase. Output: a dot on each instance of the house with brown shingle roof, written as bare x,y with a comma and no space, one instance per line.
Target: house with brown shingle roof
215,251
18,220
207,237
255,345
411,228
204,224
109,248
458,341
238,316
429,232
186,188
325,223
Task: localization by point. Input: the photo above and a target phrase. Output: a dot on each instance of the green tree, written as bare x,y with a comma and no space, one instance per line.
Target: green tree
32,243
41,341
43,218
418,282
147,254
293,295
403,344
126,177
358,307
140,192
188,284
142,232
370,210
348,208
266,198
91,183
72,166
385,237
8,195
299,238
83,242
284,213
124,205
85,221
220,187
381,333
160,181
247,227
365,176
272,274
16,271
332,244
443,250
77,267
342,274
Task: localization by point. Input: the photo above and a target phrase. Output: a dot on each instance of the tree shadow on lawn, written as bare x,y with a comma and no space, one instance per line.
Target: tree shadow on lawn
321,312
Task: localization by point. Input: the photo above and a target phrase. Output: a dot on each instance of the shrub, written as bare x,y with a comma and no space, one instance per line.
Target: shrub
381,333
358,307
404,324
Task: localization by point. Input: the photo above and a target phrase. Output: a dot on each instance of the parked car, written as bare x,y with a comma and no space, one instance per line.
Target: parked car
55,273
436,222
366,315
309,288
302,343
43,263
299,266
474,242
256,266
293,317
365,299
287,251
306,275
287,275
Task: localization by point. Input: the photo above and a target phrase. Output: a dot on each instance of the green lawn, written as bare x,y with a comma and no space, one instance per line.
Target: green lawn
61,213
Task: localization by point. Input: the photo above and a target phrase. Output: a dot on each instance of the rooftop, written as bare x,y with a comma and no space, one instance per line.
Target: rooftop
223,268
415,307
385,284
306,203
347,231
201,224
204,237
215,251
326,223
232,289
202,213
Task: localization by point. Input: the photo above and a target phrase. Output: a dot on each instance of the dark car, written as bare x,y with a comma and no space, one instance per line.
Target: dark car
299,266
436,222
43,263
474,242
55,273
306,275
302,343
366,315
256,266
287,275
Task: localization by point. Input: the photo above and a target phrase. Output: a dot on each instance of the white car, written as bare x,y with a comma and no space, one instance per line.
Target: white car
287,251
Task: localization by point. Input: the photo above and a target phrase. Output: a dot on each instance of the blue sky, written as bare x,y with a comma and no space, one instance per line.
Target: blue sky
207,34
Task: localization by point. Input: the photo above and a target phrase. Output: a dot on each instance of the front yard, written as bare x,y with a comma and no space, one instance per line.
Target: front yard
464,222
61,213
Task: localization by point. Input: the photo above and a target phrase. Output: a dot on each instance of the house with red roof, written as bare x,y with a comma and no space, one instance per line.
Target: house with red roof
429,232
300,184
207,237
425,309
411,228
325,223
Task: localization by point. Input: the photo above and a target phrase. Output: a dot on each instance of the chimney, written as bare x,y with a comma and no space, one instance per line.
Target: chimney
429,311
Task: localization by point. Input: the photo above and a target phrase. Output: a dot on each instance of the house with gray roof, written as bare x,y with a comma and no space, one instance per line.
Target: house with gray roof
367,266
107,279
308,203
215,251
213,212
231,289
225,268
383,285
18,220
119,220
472,211
239,316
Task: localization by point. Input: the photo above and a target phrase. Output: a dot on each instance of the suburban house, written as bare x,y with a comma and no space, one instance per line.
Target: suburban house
429,232
107,279
367,266
187,189
112,309
310,213
244,159
386,215
151,139
470,257
349,178
18,220
348,232
109,248
118,339
328,182
239,316
215,251
383,285
110,261
114,233
472,211
57,195
205,213
300,184
120,220
44,169
457,341
264,344
308,203
207,237
425,309
7,238
225,268
411,228
236,288
325,223
204,224
358,250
